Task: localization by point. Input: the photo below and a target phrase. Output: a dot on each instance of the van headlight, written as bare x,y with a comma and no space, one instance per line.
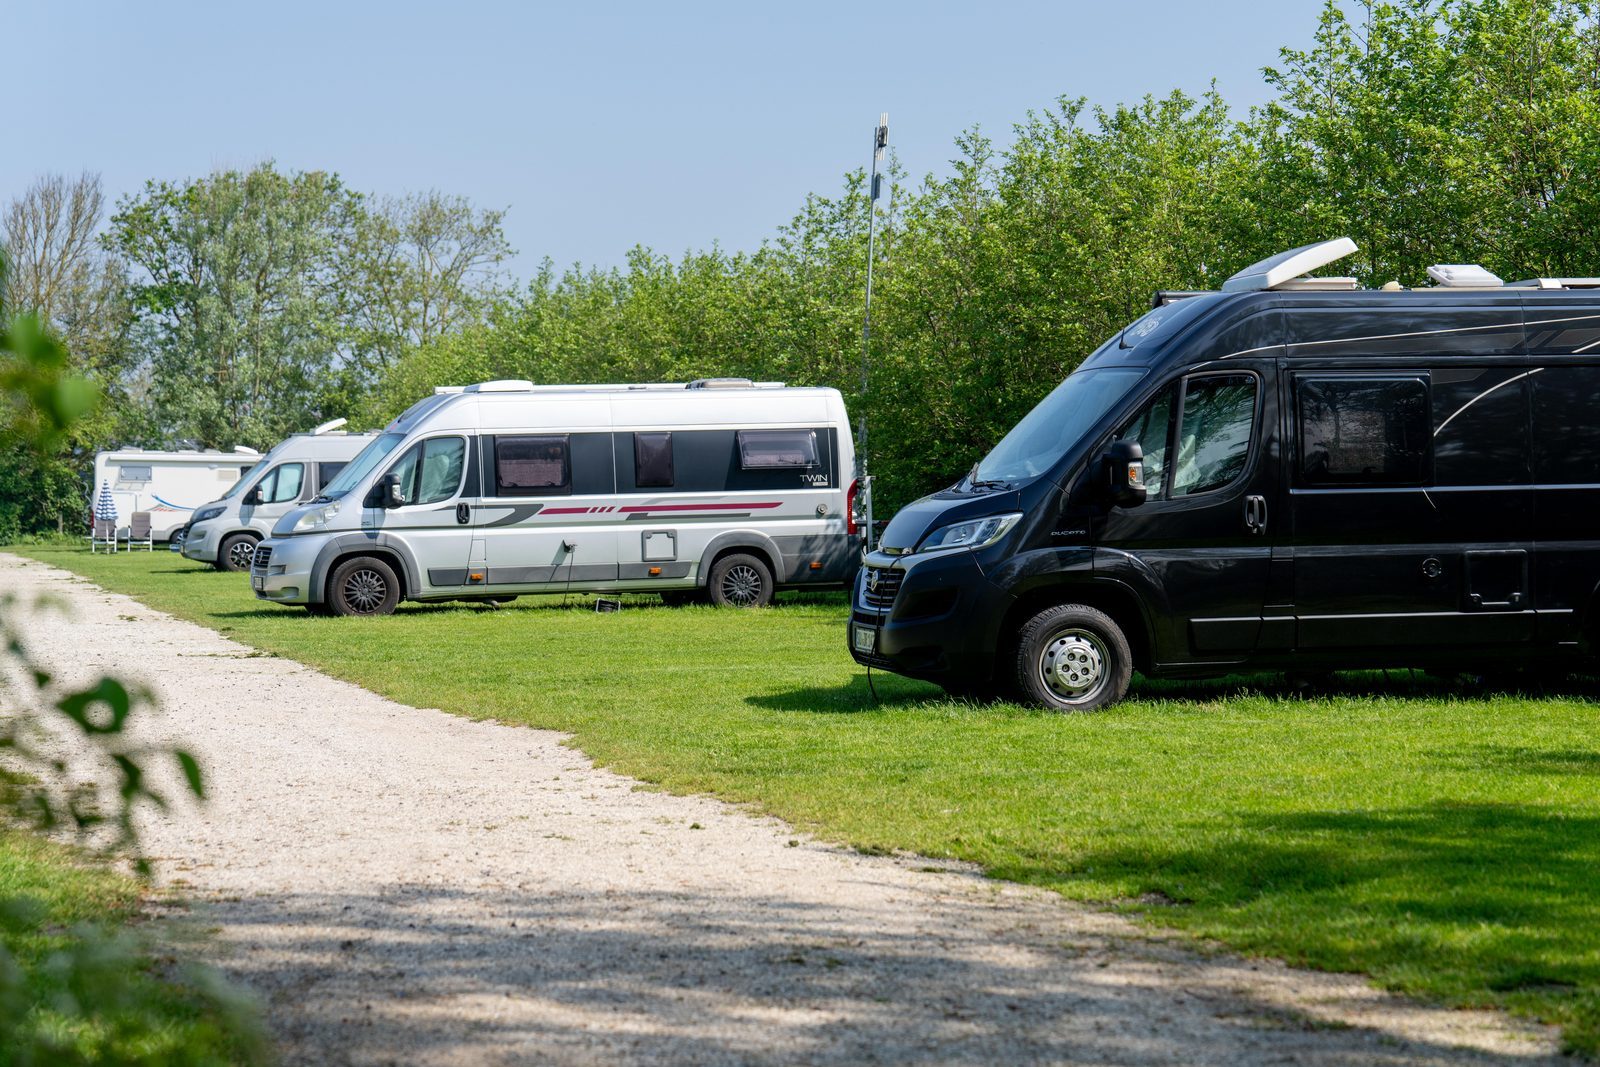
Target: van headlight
974,533
207,514
315,518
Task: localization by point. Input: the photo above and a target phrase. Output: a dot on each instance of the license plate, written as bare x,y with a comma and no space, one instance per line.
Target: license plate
257,582
861,638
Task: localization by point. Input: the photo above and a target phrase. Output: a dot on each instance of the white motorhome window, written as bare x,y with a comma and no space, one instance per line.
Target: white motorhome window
652,460
134,474
365,462
532,466
431,471
283,483
777,449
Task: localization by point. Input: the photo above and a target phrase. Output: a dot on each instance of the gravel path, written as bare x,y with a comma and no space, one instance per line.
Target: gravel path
405,886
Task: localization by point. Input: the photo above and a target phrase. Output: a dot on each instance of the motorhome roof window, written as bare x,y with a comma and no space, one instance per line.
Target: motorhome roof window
777,449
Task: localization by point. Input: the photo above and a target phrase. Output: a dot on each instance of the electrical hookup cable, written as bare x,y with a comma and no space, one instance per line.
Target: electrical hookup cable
571,549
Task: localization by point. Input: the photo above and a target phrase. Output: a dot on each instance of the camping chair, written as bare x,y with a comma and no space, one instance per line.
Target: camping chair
103,534
139,531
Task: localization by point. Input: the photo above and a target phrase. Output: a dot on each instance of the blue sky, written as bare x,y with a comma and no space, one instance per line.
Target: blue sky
598,125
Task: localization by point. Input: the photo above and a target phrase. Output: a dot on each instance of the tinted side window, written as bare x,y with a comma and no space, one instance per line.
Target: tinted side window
1480,426
1150,429
652,460
532,466
327,472
1213,440
777,449
1566,425
1362,431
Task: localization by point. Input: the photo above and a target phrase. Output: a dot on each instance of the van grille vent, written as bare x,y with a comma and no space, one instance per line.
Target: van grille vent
879,595
263,557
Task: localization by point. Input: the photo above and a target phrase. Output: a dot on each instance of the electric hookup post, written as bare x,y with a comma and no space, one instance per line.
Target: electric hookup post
880,145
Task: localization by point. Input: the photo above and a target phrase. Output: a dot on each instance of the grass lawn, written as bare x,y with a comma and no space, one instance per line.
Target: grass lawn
85,993
1445,843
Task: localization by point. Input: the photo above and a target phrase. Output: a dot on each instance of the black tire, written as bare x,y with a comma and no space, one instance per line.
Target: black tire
236,552
740,581
1072,658
364,585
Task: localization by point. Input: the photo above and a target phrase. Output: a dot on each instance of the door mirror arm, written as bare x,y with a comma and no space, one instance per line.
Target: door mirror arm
254,497
1123,466
391,496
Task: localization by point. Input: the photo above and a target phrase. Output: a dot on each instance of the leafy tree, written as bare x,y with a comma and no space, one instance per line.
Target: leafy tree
237,292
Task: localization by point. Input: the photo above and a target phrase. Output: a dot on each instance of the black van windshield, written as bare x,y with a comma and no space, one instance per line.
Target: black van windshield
357,469
1050,430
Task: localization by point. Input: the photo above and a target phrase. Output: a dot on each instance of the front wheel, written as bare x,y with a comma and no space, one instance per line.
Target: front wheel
740,581
365,585
236,553
1073,658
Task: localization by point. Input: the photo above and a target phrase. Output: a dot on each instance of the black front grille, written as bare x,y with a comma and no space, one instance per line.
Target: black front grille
879,587
263,557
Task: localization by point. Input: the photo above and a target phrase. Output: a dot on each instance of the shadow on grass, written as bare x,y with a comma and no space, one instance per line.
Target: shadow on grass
855,696
1482,902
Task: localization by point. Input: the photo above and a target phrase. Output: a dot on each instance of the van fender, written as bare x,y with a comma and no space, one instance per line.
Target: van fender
1055,574
740,539
364,541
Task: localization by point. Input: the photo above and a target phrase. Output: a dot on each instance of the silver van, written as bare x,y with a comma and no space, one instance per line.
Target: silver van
721,489
224,532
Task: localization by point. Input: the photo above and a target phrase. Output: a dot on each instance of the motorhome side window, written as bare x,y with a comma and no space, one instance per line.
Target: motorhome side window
652,460
431,471
283,483
1212,443
777,449
1362,430
327,472
532,466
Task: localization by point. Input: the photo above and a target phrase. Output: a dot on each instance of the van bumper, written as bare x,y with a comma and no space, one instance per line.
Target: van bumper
200,543
282,570
941,623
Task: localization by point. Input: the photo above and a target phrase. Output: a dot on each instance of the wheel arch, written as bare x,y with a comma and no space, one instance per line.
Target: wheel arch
1113,598
339,549
748,541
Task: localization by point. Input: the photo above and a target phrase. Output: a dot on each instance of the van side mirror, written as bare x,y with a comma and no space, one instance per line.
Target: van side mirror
1124,474
392,496
254,496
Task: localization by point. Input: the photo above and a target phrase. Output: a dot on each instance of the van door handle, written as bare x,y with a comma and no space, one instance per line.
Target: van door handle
463,513
1255,514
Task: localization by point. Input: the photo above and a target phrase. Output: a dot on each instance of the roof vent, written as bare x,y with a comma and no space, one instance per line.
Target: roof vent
329,426
245,450
503,385
1463,276
1279,271
721,383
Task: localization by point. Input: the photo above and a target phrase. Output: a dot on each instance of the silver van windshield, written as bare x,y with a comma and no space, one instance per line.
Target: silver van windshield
1055,426
357,469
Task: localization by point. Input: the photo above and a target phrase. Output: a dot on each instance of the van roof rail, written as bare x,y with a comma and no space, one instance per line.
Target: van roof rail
1555,283
1286,270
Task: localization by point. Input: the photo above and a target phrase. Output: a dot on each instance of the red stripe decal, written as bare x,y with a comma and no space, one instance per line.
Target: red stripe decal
703,507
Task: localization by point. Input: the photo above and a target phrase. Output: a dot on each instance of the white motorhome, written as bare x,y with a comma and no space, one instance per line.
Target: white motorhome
168,485
224,532
723,488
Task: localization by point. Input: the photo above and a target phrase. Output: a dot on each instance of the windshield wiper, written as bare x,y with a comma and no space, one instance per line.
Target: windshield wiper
988,483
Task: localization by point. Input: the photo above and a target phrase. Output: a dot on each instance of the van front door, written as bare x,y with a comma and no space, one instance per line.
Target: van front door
1204,534
432,523
281,488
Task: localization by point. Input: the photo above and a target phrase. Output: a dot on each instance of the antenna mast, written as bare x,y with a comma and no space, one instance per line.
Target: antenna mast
880,144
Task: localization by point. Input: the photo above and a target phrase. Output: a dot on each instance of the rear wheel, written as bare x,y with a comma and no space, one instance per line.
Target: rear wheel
740,581
364,585
236,552
1073,658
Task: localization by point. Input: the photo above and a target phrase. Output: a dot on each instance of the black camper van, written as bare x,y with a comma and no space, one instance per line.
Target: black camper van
1292,473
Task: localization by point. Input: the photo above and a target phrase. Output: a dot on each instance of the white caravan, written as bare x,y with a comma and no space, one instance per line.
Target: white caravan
169,485
723,488
224,532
